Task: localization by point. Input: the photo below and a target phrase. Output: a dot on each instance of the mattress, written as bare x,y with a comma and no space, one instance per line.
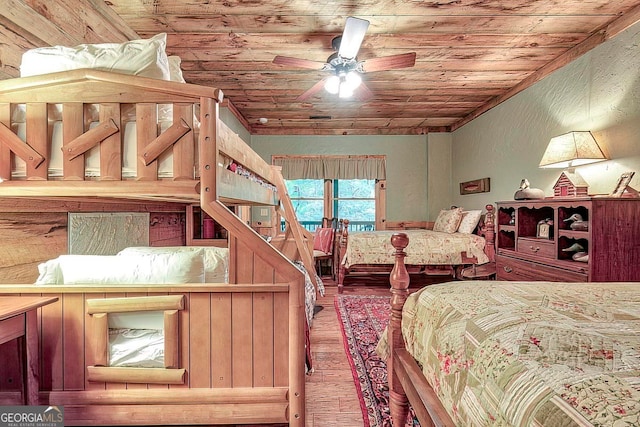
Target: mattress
529,353
426,247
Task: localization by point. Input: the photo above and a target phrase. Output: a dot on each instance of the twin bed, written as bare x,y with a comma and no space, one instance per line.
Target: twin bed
442,248
233,350
513,353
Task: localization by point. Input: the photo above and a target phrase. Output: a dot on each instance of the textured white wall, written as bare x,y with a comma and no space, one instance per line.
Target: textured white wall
599,92
406,164
439,184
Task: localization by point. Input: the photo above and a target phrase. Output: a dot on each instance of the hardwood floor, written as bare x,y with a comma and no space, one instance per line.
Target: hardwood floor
331,393
331,398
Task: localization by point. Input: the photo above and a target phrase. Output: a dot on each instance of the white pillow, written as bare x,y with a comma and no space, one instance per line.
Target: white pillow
448,220
216,260
132,269
50,273
469,221
175,72
144,57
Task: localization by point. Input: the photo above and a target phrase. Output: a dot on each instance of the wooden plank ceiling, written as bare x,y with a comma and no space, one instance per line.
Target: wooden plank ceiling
470,54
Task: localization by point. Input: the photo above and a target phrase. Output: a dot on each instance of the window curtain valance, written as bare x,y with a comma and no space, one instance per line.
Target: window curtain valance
341,167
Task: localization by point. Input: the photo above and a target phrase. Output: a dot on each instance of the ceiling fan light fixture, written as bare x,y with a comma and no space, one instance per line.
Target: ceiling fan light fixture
345,91
332,85
353,79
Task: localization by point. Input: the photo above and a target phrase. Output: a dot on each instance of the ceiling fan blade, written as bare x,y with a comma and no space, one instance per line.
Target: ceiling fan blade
352,36
312,91
384,63
297,62
363,93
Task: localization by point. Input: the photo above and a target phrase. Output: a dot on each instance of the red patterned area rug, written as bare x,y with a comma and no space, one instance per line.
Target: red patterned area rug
363,320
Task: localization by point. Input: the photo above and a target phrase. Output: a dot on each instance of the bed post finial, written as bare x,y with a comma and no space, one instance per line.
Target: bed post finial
398,403
342,249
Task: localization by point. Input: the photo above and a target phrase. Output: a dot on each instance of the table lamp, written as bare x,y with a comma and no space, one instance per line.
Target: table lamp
567,151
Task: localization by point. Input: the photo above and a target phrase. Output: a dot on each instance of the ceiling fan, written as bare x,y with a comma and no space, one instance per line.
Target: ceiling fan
345,69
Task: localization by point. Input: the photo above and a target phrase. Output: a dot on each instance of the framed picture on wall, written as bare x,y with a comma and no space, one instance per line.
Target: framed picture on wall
481,185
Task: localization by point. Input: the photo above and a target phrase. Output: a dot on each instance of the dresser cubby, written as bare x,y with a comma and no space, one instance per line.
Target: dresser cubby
608,233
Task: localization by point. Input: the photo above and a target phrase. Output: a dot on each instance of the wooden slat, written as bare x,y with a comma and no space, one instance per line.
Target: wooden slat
242,319
146,132
111,374
164,141
228,414
89,139
200,340
135,304
37,139
171,342
111,147
183,338
90,356
73,320
221,353
99,341
263,345
51,352
184,149
72,128
5,152
281,340
155,397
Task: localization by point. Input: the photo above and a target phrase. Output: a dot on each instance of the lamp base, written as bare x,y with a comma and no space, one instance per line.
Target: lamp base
570,184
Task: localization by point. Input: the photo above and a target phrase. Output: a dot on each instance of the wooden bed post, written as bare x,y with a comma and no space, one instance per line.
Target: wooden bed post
489,233
398,403
342,249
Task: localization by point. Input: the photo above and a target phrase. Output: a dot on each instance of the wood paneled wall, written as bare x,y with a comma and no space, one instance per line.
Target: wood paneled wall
33,231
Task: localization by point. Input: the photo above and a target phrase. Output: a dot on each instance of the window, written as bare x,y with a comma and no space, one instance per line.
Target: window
353,199
343,187
307,198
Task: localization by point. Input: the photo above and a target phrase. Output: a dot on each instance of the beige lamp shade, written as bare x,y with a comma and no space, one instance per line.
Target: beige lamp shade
572,149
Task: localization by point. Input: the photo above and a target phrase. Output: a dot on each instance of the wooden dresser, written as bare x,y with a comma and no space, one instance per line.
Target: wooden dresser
535,239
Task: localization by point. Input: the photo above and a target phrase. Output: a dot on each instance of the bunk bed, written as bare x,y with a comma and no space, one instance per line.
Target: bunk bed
234,351
512,353
437,251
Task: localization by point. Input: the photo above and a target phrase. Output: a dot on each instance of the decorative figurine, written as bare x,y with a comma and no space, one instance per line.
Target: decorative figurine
526,192
545,229
578,223
580,254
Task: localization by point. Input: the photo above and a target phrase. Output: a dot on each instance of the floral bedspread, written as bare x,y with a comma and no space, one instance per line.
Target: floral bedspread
426,247
529,354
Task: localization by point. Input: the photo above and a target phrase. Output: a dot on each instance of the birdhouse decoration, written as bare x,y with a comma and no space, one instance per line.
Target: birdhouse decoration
570,185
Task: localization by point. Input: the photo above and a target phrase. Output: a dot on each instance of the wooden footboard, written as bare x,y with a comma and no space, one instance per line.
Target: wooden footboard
485,229
407,384
236,348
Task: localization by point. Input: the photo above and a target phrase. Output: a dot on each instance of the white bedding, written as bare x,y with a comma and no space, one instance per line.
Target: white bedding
145,57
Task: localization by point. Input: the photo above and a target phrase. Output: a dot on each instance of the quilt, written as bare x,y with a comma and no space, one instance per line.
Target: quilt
529,353
426,247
